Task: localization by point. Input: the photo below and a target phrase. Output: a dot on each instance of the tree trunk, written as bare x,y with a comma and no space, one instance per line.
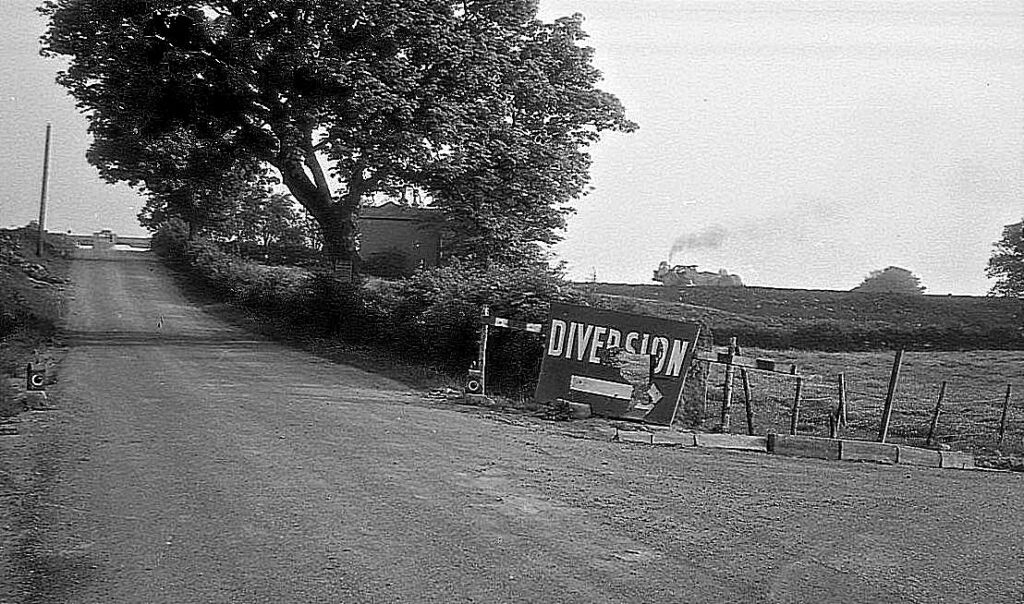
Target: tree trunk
336,218
338,228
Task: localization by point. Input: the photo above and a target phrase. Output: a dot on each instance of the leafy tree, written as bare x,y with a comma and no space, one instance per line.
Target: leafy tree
476,102
891,280
207,202
268,220
1007,262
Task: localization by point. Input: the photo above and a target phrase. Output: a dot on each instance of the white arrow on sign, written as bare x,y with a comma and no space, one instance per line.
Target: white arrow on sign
655,394
590,385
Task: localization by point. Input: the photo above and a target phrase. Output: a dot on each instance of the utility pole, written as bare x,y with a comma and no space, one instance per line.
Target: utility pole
42,195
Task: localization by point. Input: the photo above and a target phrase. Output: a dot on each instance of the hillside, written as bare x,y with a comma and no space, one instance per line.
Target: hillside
829,320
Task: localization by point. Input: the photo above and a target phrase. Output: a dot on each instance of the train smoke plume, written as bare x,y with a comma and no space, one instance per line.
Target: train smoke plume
709,238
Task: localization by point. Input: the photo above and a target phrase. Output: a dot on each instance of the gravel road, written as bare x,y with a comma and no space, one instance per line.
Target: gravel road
190,461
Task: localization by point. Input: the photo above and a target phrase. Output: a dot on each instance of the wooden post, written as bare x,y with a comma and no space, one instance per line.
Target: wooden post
837,418
42,194
894,378
842,400
485,312
935,416
730,373
1006,407
795,415
747,402
704,407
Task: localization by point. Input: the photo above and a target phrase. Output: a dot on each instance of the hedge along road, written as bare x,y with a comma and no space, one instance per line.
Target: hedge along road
190,461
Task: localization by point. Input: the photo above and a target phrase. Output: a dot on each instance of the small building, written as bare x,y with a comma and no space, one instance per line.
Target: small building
104,239
400,235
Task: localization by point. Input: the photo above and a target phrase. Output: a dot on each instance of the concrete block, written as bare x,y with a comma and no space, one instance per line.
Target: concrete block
732,441
803,446
862,450
917,457
956,459
634,436
579,410
683,439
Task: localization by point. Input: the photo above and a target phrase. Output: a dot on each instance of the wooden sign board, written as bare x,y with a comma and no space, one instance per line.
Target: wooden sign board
623,365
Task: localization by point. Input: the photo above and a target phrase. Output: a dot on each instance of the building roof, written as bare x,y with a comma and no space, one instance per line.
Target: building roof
394,211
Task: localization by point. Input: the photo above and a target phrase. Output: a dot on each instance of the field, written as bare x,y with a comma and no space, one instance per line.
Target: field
969,415
830,320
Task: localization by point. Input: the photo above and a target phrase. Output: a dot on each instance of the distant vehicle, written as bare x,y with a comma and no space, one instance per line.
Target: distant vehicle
687,275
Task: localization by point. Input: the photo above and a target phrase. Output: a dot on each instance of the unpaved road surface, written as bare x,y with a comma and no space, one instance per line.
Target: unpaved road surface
189,461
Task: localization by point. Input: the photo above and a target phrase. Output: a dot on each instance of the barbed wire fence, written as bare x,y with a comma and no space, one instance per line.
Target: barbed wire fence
976,410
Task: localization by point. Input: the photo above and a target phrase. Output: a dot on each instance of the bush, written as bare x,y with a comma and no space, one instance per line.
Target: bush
170,240
389,264
435,314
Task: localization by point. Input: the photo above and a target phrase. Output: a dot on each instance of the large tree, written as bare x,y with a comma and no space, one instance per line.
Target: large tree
891,280
1007,262
479,104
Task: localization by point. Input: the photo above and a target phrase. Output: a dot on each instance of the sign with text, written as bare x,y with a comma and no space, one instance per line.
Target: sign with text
623,365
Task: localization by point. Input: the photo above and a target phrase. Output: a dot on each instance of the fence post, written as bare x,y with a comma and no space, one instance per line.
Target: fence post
704,407
935,415
730,373
842,400
486,312
894,378
795,415
749,404
1006,407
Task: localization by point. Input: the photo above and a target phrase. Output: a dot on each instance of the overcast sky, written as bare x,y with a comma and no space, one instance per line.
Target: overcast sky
795,143
804,143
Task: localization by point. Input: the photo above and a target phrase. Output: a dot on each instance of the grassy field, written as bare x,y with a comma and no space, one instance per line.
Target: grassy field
830,320
969,416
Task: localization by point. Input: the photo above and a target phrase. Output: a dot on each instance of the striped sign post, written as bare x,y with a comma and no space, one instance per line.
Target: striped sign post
477,382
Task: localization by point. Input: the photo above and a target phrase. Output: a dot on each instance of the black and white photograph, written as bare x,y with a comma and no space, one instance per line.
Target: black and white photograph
511,301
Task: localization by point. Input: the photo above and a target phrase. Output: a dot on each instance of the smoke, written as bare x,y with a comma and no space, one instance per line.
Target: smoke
709,238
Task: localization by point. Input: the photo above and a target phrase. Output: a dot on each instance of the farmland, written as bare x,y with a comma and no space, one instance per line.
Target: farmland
829,320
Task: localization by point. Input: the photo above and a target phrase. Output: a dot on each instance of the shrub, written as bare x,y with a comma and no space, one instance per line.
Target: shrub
435,314
170,240
389,264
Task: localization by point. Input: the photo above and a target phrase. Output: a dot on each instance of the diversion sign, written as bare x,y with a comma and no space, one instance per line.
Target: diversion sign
622,365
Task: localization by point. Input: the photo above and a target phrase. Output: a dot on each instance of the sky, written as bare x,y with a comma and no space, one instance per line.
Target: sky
796,143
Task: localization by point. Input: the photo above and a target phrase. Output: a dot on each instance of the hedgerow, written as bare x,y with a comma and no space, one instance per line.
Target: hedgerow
434,314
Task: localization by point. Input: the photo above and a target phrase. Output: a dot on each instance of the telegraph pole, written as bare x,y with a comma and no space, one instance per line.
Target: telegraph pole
42,195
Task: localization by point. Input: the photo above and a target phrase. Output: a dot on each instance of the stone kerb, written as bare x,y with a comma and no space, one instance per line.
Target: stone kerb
918,457
860,450
740,442
803,446
956,459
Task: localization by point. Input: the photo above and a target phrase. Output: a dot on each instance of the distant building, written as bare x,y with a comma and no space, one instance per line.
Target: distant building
392,232
104,239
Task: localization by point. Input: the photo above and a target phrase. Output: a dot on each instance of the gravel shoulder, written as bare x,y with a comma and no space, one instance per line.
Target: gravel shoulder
191,461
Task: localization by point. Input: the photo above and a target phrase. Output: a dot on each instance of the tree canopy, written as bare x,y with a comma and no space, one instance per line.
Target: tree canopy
891,280
477,103
1007,262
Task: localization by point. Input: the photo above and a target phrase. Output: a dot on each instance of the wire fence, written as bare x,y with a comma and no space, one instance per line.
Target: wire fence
971,415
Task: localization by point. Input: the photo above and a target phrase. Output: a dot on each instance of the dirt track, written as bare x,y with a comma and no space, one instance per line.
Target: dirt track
192,462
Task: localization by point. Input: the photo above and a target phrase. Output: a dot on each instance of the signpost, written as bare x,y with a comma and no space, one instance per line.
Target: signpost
623,365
